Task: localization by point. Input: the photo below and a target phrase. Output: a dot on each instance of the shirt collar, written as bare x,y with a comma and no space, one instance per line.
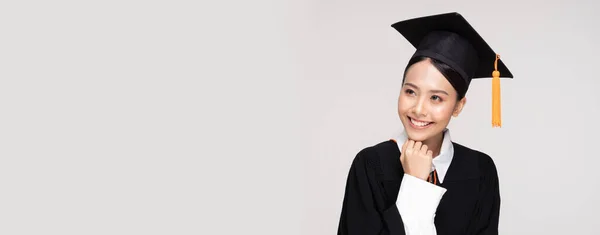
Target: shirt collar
441,163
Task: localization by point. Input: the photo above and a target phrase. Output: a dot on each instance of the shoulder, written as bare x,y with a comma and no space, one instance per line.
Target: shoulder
484,161
382,158
378,152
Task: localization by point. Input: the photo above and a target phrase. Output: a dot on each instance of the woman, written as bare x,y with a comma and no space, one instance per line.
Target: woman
421,182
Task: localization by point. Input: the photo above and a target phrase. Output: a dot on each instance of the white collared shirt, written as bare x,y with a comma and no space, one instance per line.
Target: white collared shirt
418,199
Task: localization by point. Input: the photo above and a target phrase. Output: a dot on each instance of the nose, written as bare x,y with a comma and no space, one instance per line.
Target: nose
420,108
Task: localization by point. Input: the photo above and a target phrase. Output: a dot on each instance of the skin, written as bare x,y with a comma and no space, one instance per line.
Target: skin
426,96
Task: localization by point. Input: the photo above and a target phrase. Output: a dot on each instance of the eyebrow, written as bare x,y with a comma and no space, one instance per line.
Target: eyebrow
432,91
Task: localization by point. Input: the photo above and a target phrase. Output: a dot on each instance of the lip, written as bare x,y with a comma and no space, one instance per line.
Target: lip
419,127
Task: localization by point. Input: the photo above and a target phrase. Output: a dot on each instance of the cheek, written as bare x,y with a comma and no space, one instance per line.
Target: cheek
403,105
442,112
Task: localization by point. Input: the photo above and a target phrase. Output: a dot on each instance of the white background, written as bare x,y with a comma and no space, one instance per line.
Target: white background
242,117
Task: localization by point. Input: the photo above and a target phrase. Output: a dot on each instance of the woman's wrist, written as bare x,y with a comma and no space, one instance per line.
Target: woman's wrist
420,176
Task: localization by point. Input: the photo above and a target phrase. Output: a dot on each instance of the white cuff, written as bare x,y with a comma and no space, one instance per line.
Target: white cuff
418,199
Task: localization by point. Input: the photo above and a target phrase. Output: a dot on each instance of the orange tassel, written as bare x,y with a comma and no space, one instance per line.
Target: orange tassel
496,114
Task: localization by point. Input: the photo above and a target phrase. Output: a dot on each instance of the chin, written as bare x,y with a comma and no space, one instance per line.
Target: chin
417,136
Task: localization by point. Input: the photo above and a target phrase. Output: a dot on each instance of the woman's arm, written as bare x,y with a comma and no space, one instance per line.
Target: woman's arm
418,199
417,203
359,214
487,212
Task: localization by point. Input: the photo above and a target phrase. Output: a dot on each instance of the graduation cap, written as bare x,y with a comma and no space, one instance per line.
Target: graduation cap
449,38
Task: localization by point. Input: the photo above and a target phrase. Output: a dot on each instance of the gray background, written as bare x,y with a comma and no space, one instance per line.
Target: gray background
229,117
546,150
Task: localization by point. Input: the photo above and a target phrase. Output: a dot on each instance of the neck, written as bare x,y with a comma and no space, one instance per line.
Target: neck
435,143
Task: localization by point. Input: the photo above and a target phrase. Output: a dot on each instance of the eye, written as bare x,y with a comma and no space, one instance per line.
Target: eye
436,98
409,91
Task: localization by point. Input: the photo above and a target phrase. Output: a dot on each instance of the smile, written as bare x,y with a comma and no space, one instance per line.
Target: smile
419,124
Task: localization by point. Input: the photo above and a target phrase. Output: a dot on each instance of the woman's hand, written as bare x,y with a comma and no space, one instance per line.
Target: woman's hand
416,159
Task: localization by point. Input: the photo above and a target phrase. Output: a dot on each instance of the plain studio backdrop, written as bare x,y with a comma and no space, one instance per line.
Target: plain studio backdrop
242,117
546,151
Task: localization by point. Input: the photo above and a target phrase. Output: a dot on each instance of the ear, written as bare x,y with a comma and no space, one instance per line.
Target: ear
459,106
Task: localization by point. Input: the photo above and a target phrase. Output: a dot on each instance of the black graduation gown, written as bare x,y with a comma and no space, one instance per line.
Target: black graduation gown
470,206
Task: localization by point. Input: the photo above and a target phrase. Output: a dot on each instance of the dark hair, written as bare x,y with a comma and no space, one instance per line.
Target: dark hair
451,75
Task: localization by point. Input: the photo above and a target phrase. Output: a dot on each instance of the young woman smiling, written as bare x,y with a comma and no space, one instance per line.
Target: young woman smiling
421,182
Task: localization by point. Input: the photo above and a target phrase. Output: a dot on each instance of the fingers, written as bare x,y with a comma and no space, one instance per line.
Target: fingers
426,152
423,149
410,145
417,146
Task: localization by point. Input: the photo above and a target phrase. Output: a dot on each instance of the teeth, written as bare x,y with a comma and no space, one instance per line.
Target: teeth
420,124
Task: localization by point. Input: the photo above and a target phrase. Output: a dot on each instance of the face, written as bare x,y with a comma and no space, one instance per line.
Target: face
427,102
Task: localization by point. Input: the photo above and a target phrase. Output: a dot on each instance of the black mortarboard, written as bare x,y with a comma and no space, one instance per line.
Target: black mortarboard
450,39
